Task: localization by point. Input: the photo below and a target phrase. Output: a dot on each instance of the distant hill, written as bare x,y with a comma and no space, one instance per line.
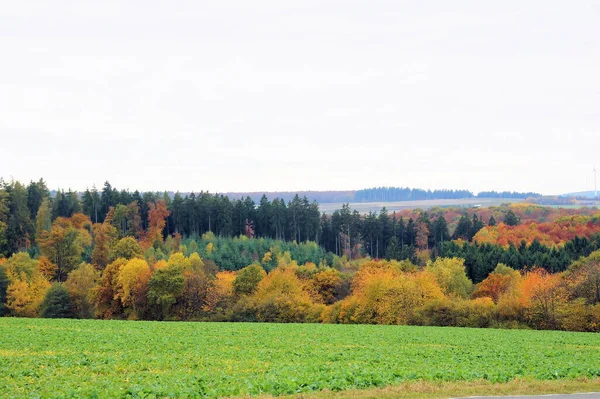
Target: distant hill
580,194
381,194
319,196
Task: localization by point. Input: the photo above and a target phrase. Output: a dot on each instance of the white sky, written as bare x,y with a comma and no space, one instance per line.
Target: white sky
282,95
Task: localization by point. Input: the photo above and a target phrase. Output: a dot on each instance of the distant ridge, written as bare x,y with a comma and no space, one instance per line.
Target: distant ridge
379,194
580,194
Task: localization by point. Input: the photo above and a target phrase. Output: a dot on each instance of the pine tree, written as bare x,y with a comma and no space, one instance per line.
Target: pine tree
511,219
57,303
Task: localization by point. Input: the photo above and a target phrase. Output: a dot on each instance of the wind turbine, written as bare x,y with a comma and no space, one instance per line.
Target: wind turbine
595,185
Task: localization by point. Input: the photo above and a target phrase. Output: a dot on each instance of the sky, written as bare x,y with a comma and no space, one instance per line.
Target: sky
301,95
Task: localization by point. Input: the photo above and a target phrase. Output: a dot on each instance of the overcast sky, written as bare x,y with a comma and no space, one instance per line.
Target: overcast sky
298,95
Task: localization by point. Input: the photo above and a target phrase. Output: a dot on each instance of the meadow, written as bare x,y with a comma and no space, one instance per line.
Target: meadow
391,206
122,359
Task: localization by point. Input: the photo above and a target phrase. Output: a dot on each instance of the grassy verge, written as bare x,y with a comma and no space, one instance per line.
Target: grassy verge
425,389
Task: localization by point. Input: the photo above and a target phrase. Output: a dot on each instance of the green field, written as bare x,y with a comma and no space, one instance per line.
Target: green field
116,359
391,206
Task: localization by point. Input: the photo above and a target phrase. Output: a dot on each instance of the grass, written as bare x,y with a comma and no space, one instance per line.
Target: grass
107,359
445,390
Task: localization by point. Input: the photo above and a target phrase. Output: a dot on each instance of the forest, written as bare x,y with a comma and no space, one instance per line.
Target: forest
380,194
121,255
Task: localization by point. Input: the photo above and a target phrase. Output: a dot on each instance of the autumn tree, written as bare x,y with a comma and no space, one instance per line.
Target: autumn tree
451,275
280,297
383,293
543,294
133,281
157,215
27,286
219,295
492,287
105,295
583,278
105,235
327,285
195,287
127,220
126,248
65,243
164,288
422,237
80,283
247,280
47,268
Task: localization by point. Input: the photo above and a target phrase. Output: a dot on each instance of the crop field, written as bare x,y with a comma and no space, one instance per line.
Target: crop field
391,206
120,359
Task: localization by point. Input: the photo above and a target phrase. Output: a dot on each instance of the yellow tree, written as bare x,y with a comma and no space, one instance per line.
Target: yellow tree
133,286
65,243
28,287
104,236
281,297
80,283
452,276
47,268
105,295
326,285
219,294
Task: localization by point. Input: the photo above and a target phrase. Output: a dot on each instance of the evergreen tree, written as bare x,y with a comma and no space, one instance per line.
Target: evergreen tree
57,303
464,229
264,218
439,232
511,219
4,283
410,235
20,229
36,193
492,221
386,231
477,224
393,250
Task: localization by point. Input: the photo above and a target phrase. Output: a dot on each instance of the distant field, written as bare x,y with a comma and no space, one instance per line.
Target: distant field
365,207
119,359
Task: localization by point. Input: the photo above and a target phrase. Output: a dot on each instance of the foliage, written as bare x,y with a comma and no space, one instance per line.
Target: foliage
281,297
583,278
164,287
450,273
126,248
24,297
57,303
132,283
65,242
80,284
247,280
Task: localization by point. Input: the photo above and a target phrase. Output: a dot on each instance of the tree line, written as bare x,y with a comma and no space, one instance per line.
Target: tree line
182,285
27,211
386,194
